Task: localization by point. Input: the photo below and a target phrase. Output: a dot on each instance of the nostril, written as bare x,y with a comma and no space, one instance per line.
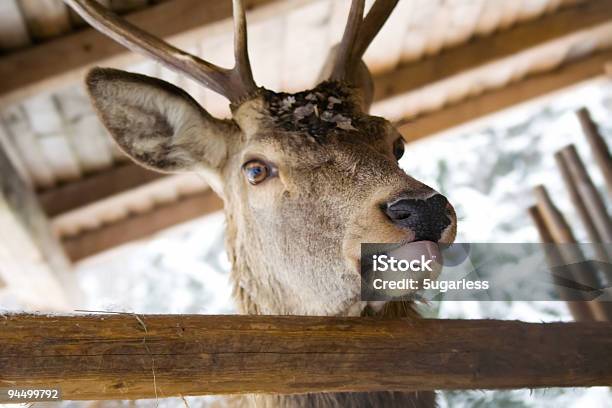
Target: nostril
398,214
400,209
438,201
426,218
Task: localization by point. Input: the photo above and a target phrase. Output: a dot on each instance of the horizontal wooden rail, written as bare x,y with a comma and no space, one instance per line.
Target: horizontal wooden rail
125,356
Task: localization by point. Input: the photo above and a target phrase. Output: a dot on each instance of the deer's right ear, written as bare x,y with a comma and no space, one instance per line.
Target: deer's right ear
157,124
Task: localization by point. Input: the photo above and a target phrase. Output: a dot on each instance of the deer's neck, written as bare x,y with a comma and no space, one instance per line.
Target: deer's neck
256,297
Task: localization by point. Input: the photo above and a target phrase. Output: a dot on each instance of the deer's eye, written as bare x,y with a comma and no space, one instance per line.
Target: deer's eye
256,171
398,148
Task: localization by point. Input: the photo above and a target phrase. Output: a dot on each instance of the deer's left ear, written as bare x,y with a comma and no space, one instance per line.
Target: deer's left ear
157,124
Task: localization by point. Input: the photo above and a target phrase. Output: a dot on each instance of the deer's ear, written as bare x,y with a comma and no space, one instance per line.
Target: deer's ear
157,124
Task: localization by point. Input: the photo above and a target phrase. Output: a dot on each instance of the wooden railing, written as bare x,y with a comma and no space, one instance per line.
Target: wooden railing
128,356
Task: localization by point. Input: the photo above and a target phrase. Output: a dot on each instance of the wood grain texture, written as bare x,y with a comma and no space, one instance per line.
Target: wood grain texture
123,356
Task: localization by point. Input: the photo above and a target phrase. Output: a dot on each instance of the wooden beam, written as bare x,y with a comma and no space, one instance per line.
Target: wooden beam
32,262
45,18
95,187
485,50
13,29
124,356
490,102
65,60
142,225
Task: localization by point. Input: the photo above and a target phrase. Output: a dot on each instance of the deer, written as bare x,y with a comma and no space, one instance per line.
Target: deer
305,177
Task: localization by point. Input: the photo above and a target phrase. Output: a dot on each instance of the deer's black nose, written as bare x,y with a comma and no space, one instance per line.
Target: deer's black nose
426,218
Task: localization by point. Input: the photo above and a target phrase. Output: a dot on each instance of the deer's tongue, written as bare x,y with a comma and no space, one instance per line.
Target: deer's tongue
426,253
417,249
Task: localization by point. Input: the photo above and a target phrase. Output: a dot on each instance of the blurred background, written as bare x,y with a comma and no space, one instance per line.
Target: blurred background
485,93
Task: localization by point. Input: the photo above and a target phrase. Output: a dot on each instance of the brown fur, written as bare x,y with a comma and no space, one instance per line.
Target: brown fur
294,239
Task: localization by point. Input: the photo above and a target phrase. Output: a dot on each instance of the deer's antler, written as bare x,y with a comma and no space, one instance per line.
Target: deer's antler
236,84
358,36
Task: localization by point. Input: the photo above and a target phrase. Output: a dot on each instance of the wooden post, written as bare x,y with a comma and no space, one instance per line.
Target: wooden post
32,261
598,145
572,255
124,356
593,202
580,311
577,199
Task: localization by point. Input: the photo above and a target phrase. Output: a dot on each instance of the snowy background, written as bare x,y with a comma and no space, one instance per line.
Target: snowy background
487,172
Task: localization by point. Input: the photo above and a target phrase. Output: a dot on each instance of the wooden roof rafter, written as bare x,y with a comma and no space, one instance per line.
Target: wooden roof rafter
531,89
67,58
486,50
139,226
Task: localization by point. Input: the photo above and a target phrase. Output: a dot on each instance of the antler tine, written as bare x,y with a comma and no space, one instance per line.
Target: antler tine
241,49
359,34
373,22
223,81
344,53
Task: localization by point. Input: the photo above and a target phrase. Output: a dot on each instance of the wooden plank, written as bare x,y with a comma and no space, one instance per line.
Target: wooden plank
65,60
580,311
485,50
139,200
477,107
32,262
572,255
45,18
95,187
141,226
129,356
13,30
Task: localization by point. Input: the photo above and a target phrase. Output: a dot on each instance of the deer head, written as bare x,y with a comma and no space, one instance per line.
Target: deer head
305,177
